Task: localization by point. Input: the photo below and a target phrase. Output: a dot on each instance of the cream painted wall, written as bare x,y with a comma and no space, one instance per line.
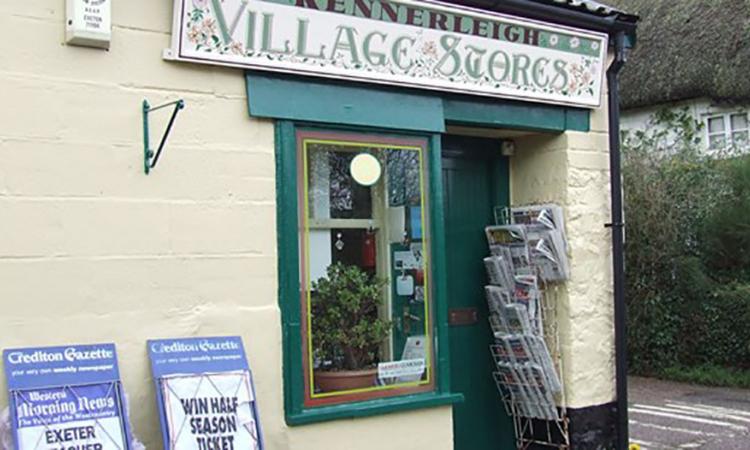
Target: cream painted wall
92,250
572,170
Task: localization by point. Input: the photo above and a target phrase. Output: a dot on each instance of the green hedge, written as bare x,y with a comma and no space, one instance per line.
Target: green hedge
687,249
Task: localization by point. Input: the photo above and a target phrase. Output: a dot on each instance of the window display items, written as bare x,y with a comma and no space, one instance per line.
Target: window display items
346,328
365,169
365,290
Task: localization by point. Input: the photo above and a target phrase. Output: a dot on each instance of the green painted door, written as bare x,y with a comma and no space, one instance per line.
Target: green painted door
475,179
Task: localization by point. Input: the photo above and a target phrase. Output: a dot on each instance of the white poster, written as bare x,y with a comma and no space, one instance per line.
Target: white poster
211,412
95,434
69,418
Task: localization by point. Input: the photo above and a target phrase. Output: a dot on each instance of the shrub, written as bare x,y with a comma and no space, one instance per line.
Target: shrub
346,328
687,249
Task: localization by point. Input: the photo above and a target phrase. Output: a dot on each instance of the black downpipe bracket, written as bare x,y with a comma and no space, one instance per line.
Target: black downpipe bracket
618,253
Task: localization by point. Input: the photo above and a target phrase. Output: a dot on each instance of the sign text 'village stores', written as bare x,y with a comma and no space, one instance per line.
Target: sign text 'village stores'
411,43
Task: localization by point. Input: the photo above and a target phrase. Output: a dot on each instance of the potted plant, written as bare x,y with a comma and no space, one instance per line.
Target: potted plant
347,330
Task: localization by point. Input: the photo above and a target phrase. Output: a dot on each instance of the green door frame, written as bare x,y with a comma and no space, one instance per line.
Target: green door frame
297,102
479,423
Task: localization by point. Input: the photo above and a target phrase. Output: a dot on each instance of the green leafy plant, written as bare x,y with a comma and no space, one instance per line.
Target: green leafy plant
687,247
347,330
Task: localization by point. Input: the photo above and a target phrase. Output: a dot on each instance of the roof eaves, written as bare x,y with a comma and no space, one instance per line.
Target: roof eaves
591,6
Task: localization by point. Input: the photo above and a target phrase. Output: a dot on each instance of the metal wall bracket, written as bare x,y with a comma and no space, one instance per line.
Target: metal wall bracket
151,158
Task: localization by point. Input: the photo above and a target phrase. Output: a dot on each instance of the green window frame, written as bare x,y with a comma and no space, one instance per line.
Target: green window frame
298,408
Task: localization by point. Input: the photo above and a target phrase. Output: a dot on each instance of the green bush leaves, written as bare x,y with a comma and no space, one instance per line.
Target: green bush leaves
687,249
346,328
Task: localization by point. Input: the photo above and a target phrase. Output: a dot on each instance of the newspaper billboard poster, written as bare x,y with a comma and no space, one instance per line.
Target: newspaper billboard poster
66,398
205,394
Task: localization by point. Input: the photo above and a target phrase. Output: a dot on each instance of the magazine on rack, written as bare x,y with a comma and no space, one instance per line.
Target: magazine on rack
518,387
498,326
514,317
513,321
518,348
534,375
547,216
500,270
528,294
546,238
539,349
498,297
505,391
501,353
510,240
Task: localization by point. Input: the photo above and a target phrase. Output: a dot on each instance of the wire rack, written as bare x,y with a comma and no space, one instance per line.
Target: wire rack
533,432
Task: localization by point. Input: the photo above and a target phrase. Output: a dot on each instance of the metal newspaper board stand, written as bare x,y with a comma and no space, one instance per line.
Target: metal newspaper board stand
188,371
537,419
70,396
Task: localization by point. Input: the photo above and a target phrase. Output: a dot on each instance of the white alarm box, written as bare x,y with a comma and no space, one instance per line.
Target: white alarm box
89,23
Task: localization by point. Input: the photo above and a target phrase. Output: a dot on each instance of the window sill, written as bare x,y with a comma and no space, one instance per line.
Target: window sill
373,407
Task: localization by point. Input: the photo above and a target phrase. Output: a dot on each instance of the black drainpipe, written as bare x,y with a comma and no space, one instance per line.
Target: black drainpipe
618,256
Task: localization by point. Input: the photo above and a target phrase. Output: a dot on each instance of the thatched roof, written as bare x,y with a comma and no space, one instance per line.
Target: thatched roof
687,49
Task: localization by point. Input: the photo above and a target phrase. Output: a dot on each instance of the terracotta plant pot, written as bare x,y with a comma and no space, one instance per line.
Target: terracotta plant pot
345,380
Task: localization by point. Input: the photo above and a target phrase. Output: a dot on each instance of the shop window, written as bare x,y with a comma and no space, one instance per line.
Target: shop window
727,130
364,265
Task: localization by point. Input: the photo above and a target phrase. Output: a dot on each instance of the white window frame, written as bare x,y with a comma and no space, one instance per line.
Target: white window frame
728,132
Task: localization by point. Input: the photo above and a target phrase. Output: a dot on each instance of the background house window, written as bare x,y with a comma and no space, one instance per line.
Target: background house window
365,287
727,129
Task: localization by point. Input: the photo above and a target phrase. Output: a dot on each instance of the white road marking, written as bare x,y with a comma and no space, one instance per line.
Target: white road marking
664,412
711,413
677,430
736,412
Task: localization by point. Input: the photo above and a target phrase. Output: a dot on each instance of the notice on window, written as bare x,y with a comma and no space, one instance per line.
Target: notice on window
205,394
412,365
408,368
66,398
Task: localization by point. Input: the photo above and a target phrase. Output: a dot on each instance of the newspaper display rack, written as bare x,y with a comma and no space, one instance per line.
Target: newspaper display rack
527,263
205,394
66,397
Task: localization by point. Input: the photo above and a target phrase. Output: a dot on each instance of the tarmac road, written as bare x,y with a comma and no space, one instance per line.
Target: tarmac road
669,416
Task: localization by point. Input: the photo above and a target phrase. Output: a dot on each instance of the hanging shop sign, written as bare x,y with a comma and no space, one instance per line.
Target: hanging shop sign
66,398
205,394
421,44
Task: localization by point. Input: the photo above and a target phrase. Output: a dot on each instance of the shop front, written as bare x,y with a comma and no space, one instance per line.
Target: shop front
324,195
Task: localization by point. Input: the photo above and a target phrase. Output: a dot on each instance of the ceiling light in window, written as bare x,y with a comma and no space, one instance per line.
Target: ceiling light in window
365,169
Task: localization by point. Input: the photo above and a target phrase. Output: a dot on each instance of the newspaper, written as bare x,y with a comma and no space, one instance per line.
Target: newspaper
539,349
518,390
530,250
534,376
499,270
510,242
545,235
